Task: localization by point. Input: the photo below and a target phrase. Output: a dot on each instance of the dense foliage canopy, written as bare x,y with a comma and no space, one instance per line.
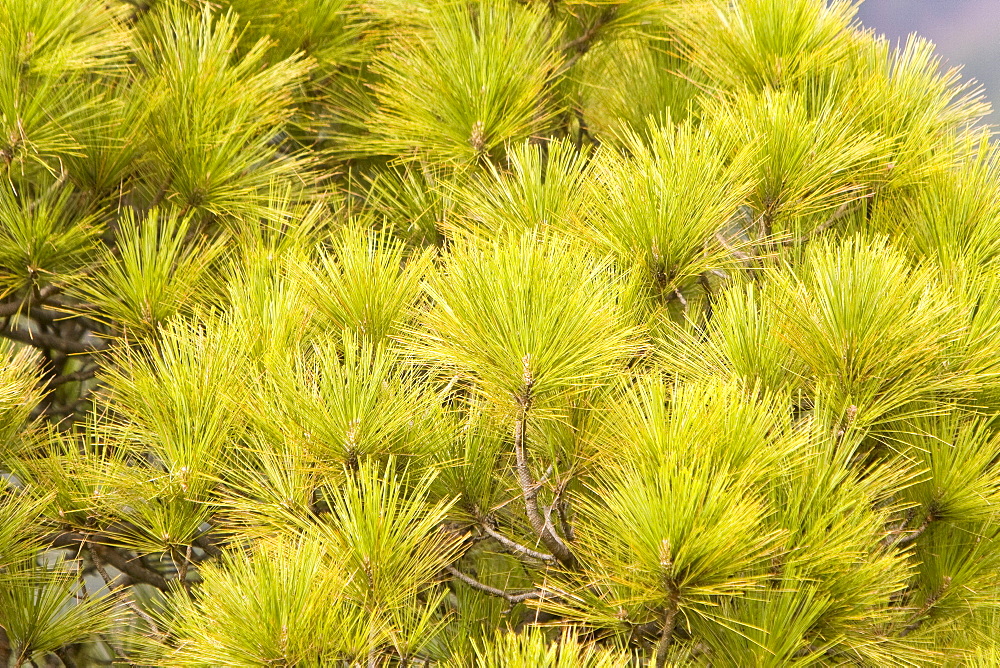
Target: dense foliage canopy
568,333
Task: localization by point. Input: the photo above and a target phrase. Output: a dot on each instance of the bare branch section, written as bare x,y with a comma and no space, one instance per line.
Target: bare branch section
81,375
130,566
529,487
206,544
667,634
514,546
581,45
738,254
513,599
15,307
126,596
840,213
902,536
50,341
921,615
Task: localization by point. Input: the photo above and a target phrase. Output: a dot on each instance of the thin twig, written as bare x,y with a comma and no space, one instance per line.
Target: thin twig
901,536
123,592
564,522
117,651
182,568
581,45
841,211
682,300
130,566
738,254
515,546
41,340
12,308
931,601
513,599
81,375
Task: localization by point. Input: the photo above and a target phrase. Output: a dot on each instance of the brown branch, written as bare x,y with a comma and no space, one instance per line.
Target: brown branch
841,211
901,537
667,635
564,520
738,254
182,570
205,543
5,650
72,307
515,546
123,592
49,291
513,599
66,658
680,297
130,566
117,651
161,193
11,308
41,340
918,619
706,286
52,409
581,45
81,375
529,491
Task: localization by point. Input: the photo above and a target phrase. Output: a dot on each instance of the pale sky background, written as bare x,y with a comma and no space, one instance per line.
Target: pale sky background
967,32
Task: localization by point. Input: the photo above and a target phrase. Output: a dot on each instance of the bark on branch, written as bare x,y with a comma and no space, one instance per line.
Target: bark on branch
514,546
122,591
921,616
41,340
667,634
12,308
841,211
130,566
513,599
902,537
529,490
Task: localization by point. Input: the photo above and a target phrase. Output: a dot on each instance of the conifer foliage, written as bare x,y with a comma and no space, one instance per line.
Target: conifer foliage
523,333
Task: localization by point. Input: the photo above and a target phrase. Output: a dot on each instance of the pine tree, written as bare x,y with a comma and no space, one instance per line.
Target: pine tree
575,333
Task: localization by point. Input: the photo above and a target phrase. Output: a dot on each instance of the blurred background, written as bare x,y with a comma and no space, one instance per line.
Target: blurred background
967,32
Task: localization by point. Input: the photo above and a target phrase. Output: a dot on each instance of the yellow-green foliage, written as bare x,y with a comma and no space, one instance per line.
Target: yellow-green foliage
458,333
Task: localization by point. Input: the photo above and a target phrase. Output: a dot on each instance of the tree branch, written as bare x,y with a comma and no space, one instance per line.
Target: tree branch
41,340
11,308
529,490
918,619
4,649
667,635
738,254
205,543
900,537
66,658
841,211
514,546
130,566
81,375
513,599
581,44
683,300
126,596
